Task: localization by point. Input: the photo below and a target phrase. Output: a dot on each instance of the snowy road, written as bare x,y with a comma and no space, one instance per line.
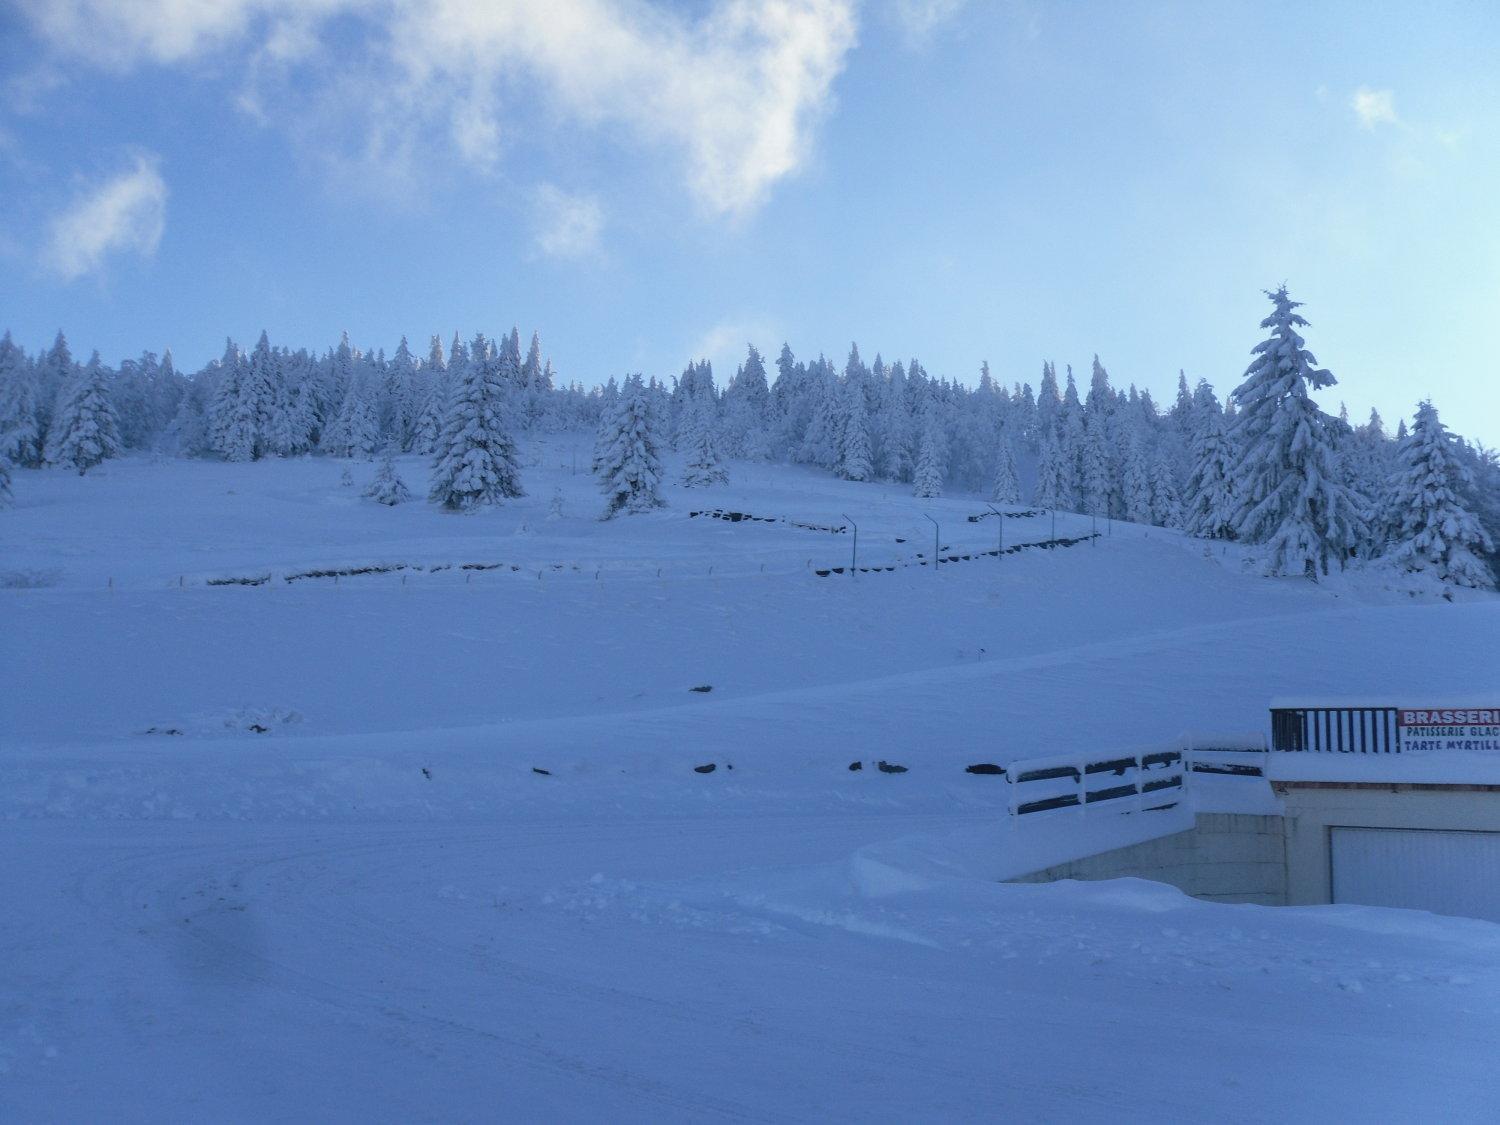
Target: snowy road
663,969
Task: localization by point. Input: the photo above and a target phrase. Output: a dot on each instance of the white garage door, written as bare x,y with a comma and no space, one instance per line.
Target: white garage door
1445,872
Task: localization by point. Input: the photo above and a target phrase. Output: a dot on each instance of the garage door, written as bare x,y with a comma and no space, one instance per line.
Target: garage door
1445,872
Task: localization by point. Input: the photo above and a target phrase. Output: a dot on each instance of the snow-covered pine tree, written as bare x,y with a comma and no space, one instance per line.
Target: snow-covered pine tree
856,460
1137,481
698,441
1051,476
1291,495
1433,531
627,457
53,378
894,423
1007,486
7,499
932,457
1048,401
1210,500
355,431
820,443
225,400
388,488
475,460
429,425
20,436
84,429
247,435
1095,467
1166,503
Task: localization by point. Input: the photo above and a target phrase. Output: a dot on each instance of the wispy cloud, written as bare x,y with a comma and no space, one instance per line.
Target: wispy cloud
1374,107
725,344
920,19
568,225
125,213
736,87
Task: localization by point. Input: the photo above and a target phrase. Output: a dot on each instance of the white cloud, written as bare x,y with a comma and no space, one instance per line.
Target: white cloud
736,87
124,213
727,342
1374,107
921,18
568,226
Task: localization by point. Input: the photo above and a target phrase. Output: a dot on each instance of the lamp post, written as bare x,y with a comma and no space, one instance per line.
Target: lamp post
1000,542
937,538
854,555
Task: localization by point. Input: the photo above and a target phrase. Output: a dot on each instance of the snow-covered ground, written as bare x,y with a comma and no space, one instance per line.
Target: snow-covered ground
377,908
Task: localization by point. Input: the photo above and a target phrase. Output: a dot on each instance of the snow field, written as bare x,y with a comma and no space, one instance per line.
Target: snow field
376,909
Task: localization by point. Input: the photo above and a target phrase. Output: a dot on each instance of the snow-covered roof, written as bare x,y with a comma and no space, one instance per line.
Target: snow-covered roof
1489,698
1451,767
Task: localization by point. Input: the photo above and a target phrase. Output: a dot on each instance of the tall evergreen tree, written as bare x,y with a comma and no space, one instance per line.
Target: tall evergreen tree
932,457
475,461
1292,499
1210,503
85,431
856,460
1007,486
7,498
1433,531
704,464
1166,502
1095,468
1137,481
1051,476
20,435
627,454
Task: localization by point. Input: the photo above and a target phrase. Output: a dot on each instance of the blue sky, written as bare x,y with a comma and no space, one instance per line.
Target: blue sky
646,182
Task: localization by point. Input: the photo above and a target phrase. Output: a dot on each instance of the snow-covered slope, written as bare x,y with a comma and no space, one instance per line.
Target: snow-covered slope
376,907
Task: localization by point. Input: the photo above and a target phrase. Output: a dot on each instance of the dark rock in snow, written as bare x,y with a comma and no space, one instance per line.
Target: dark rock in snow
709,768
856,766
702,688
985,768
257,728
427,773
538,769
889,767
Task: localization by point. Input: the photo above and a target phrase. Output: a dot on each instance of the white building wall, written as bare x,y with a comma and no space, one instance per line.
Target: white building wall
1311,810
1225,857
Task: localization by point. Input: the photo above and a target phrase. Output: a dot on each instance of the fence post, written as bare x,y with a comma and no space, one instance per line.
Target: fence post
937,539
1000,542
854,557
1054,523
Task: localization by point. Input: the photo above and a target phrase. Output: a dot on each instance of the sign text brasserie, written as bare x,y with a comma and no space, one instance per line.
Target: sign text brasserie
1449,728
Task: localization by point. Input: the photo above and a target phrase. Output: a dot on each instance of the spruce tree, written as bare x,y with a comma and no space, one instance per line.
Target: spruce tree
927,477
225,400
1007,485
7,499
84,429
1166,503
1095,468
388,488
704,465
1051,477
1433,531
1291,496
1210,500
1137,481
20,436
856,461
475,460
627,457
